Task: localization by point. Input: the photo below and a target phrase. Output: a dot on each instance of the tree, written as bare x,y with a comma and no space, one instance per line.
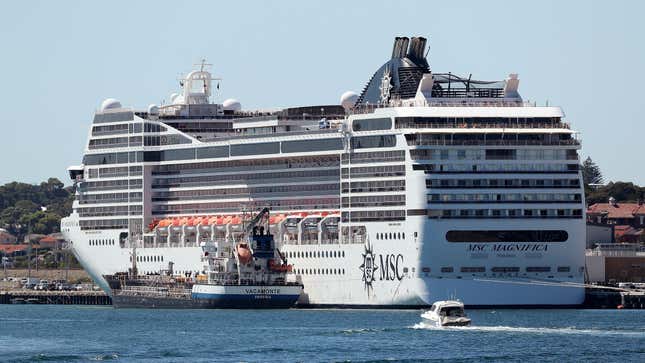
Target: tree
591,172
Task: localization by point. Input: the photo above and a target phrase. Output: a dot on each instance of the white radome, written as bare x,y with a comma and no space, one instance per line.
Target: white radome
178,100
110,104
232,104
153,109
348,100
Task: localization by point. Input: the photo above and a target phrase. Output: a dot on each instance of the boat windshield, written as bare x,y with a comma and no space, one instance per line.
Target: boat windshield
453,311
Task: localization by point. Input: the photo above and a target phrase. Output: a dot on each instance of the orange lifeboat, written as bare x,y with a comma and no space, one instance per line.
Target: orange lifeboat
236,220
153,224
244,253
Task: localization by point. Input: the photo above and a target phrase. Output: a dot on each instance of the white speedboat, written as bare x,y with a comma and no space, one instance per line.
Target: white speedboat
447,313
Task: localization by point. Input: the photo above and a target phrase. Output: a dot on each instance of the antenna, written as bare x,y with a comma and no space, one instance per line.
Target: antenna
203,65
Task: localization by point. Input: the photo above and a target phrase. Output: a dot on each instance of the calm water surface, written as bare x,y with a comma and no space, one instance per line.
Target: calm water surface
79,333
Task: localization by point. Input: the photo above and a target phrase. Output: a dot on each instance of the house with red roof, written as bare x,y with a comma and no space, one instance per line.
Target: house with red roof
6,237
627,219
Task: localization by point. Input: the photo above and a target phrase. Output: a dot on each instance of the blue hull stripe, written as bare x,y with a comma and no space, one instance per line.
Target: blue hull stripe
245,297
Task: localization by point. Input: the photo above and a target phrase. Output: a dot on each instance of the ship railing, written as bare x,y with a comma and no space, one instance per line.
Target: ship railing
483,125
422,142
229,136
152,290
457,102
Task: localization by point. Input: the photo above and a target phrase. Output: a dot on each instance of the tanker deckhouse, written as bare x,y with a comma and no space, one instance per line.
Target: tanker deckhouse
423,187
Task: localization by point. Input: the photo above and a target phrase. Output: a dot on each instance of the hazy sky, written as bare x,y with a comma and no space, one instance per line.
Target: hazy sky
60,59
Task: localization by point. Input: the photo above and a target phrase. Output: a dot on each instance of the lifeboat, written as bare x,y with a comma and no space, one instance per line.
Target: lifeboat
244,253
153,224
176,225
222,221
203,224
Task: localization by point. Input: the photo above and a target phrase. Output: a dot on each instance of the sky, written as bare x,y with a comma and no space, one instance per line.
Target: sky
60,59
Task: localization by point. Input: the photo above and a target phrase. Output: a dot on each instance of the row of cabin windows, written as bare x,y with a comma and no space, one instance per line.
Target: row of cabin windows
320,271
512,269
505,213
390,236
315,254
102,242
148,258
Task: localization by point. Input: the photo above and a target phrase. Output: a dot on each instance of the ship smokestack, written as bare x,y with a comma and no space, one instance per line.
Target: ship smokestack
400,46
417,47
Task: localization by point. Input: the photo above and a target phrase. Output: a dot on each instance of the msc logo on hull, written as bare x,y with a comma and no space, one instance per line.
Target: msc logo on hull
380,267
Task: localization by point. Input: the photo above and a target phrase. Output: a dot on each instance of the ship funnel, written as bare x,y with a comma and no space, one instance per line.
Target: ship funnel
416,49
400,46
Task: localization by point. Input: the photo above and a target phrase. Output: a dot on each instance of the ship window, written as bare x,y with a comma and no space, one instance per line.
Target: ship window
179,154
312,145
472,269
564,268
365,142
507,236
447,269
113,117
255,149
343,253
152,156
212,152
538,269
500,154
505,269
372,124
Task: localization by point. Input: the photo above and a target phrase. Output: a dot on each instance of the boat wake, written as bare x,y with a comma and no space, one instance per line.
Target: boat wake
531,330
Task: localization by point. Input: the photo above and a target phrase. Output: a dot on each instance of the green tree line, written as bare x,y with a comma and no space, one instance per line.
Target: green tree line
34,208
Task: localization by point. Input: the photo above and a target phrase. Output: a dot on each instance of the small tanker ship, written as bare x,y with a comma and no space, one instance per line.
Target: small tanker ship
244,271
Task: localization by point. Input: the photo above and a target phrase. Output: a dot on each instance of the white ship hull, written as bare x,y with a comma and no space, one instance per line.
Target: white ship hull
390,281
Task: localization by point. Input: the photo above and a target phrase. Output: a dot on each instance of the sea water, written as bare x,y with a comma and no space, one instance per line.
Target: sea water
58,333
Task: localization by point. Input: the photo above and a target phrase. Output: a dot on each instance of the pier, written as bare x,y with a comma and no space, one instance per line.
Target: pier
599,298
55,297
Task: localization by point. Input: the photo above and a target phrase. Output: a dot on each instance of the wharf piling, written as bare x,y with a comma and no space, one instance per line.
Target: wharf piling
612,299
55,297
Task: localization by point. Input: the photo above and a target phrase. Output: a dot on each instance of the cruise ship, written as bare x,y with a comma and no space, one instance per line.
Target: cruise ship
424,186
